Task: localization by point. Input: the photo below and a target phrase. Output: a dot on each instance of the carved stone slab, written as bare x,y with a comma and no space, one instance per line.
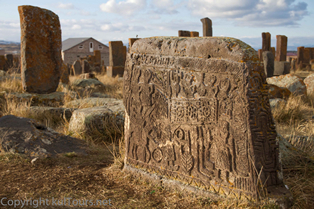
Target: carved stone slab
197,111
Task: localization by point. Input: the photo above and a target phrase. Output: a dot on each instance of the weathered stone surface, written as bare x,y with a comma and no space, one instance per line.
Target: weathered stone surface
293,83
52,100
100,118
268,59
65,76
88,75
26,136
201,115
2,73
281,68
77,68
281,48
117,53
274,103
40,49
194,34
55,111
207,27
85,67
278,92
111,103
184,33
87,86
113,71
273,50
266,42
131,41
309,82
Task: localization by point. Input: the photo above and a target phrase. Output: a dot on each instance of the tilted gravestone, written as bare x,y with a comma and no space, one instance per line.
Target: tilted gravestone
76,68
184,33
85,67
201,116
40,49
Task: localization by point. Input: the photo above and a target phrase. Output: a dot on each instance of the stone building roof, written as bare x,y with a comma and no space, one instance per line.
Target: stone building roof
70,42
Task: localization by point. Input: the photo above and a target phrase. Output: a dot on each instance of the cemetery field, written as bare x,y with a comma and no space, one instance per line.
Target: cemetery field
98,176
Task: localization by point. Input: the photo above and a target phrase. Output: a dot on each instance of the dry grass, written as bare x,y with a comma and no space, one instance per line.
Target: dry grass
99,176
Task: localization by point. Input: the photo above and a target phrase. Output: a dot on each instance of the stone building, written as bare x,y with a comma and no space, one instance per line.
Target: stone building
75,48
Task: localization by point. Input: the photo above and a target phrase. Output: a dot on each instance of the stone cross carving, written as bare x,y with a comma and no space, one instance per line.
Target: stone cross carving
201,116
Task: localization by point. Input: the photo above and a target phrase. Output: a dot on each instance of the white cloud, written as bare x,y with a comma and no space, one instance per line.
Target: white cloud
165,6
256,13
66,6
127,7
76,27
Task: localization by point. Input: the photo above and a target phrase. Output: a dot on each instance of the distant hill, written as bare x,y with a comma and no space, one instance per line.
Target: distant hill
9,42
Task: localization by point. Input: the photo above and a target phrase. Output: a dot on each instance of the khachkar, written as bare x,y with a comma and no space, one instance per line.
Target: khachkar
200,115
117,55
41,63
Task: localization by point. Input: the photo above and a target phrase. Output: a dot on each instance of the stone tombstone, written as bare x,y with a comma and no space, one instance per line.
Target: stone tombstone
260,54
97,56
207,27
9,60
293,65
76,68
194,34
281,46
41,61
268,59
184,33
65,74
307,55
116,53
300,57
273,50
117,56
85,67
3,63
312,53
201,117
266,42
281,68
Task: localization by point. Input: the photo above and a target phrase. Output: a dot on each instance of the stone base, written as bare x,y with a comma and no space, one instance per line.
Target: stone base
282,199
113,71
281,68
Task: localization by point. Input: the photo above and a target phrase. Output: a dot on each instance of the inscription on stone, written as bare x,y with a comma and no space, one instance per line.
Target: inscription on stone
201,117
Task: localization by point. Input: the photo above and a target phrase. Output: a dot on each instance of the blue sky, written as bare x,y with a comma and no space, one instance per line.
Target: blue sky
109,20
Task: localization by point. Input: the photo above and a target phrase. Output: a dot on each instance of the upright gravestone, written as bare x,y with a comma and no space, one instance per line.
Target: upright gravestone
85,67
3,63
117,56
260,54
184,33
300,57
268,59
273,50
9,60
40,49
76,68
207,27
307,55
201,117
281,47
97,56
266,42
65,74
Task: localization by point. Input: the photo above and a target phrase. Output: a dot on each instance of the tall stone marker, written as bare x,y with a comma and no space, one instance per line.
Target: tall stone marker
266,42
269,61
199,115
40,49
300,57
281,48
207,27
117,56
